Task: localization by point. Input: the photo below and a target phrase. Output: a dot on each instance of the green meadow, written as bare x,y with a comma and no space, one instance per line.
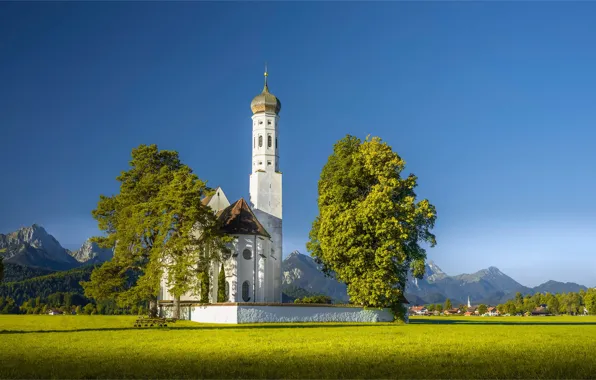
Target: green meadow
429,347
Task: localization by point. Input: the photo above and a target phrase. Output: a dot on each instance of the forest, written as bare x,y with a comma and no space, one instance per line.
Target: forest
59,291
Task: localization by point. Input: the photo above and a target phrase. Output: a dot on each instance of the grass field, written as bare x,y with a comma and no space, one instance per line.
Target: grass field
458,347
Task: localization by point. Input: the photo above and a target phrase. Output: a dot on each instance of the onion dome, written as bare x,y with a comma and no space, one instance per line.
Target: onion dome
265,101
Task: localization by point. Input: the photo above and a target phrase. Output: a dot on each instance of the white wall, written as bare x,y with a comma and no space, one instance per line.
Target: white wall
277,314
214,314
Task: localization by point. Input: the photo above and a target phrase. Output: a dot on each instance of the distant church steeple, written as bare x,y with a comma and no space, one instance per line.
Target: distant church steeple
469,305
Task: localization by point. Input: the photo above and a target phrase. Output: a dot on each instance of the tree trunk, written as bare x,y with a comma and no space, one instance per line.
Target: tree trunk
153,307
176,307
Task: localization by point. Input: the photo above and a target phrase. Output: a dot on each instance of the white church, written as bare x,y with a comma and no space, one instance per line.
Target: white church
253,268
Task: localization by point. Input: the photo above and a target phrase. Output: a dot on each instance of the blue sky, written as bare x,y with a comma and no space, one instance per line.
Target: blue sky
490,104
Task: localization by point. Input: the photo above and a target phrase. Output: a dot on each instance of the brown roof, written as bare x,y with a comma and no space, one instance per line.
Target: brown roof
207,199
540,310
238,219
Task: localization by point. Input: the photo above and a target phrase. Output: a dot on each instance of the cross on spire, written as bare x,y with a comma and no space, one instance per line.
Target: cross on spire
266,88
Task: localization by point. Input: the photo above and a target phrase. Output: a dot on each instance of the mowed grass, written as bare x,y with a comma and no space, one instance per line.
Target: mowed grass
435,347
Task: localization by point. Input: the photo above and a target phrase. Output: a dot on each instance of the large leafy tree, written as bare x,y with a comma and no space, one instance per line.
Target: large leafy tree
370,227
190,238
147,222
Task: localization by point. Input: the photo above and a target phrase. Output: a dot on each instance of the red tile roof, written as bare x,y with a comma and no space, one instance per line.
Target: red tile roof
238,219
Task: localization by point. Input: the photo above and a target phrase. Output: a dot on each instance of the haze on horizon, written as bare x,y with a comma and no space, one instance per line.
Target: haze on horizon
490,104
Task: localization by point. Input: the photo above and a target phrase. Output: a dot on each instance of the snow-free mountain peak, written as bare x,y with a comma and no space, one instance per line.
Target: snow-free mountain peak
33,246
91,253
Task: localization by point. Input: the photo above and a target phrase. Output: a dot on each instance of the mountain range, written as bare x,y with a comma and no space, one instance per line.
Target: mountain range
489,286
33,247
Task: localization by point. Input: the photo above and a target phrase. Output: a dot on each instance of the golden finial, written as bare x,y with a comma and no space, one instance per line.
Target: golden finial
266,88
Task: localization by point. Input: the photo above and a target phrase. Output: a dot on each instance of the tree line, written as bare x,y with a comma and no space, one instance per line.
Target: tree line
43,286
572,303
67,303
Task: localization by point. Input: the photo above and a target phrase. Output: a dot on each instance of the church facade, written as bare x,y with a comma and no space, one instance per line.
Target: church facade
253,268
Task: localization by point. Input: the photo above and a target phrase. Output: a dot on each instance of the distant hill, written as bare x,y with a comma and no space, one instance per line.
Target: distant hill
15,272
490,286
558,287
43,286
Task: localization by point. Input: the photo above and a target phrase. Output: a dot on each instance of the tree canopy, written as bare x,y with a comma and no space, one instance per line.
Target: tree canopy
448,304
151,225
370,226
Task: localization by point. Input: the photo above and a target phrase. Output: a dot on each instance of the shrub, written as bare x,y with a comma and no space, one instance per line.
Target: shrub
314,299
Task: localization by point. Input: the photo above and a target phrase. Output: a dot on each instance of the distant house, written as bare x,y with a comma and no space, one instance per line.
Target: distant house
55,312
418,310
454,311
492,311
468,313
473,310
540,310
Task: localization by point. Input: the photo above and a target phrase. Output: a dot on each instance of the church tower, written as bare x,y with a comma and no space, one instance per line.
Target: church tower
266,182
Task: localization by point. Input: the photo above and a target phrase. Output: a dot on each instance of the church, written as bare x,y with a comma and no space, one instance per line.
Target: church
253,268
253,278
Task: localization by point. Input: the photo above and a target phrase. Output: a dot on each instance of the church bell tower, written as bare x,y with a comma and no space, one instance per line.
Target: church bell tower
266,180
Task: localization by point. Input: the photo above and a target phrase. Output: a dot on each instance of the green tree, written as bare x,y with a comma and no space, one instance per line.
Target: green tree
448,305
439,307
552,303
88,309
431,307
482,309
462,307
519,301
79,310
132,224
590,300
369,226
221,285
189,234
1,268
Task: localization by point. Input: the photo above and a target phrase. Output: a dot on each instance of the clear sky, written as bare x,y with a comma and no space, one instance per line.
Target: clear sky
491,105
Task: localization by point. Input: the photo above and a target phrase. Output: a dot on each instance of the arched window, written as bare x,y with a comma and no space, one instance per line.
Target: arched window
269,141
247,254
245,291
227,291
260,141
